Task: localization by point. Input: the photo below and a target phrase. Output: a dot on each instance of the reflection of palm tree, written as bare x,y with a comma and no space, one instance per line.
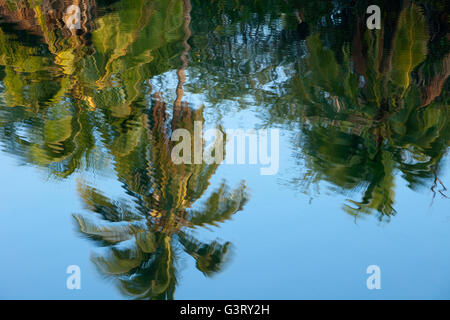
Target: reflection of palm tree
362,116
141,240
50,89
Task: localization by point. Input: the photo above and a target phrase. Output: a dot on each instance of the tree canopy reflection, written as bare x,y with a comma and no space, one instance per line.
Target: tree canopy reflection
375,104
361,106
142,238
81,95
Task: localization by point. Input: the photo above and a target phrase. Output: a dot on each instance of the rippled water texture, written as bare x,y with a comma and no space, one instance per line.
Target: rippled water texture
88,117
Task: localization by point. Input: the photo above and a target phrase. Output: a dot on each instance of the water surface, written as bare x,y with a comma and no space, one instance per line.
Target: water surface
87,179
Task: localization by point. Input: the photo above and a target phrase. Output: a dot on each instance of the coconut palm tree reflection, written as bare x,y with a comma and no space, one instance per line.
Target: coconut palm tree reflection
84,96
368,107
142,241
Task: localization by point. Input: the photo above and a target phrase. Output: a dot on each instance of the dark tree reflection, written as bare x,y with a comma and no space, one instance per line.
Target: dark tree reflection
143,237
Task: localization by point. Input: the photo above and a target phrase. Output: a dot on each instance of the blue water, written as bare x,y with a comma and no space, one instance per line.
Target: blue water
363,150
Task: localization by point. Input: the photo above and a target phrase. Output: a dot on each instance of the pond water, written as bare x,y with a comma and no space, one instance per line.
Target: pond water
358,136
